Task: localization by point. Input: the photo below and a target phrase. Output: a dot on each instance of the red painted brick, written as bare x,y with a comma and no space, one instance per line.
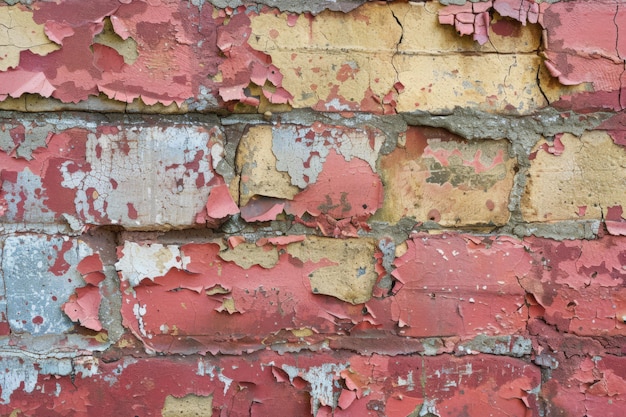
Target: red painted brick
579,284
297,384
457,285
190,299
139,176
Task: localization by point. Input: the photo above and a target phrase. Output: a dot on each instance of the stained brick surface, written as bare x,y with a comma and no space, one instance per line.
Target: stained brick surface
326,208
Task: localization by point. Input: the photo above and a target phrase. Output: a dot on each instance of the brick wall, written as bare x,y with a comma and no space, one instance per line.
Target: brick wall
327,208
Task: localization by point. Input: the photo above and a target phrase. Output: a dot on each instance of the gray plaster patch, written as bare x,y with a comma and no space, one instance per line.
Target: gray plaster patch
35,295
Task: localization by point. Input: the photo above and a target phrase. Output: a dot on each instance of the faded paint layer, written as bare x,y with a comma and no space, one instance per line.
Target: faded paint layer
575,178
436,176
136,176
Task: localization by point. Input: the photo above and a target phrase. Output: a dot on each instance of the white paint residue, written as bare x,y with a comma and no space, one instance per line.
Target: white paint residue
408,382
135,169
225,380
321,379
147,261
302,156
23,372
139,312
429,407
205,369
86,366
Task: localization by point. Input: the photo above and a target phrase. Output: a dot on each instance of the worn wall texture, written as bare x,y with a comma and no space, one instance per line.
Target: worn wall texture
326,208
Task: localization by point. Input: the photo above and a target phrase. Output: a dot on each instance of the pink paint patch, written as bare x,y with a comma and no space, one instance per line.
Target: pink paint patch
132,211
262,209
220,203
615,221
83,307
556,148
343,189
88,264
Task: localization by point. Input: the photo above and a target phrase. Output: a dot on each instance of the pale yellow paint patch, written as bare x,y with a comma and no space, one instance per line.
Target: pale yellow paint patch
489,82
19,32
248,254
302,332
333,54
188,406
127,48
334,61
590,173
228,305
353,276
256,166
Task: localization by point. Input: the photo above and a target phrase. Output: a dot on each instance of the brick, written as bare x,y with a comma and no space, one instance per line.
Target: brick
256,165
579,285
206,297
437,176
572,178
41,274
327,67
18,24
135,176
457,285
167,54
568,52
587,385
297,384
323,175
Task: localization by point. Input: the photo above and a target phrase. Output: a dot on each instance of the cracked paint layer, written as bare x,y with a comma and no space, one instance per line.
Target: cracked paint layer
303,384
569,178
323,175
135,176
202,297
334,260
436,176
457,285
18,33
579,287
158,52
592,61
394,57
40,303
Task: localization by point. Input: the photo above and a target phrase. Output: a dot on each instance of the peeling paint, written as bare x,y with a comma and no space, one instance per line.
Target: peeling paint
112,176
233,208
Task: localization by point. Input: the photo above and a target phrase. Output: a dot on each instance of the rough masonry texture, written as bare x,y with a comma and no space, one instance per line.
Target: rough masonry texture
324,208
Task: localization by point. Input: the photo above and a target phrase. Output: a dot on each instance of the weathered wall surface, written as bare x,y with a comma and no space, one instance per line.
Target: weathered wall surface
326,208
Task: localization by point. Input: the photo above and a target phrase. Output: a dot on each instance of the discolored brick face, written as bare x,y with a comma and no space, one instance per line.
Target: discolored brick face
326,208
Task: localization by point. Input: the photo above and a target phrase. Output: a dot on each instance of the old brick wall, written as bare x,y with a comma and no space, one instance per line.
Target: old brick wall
326,208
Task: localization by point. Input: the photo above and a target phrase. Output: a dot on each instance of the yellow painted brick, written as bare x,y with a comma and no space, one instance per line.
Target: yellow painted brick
19,32
439,177
332,57
488,82
424,34
580,183
338,61
256,166
188,406
353,276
